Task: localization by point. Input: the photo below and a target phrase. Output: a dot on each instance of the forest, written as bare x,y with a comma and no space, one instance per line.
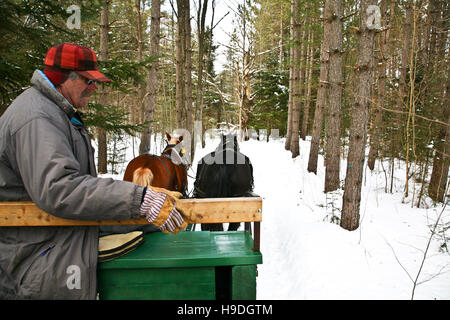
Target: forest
361,80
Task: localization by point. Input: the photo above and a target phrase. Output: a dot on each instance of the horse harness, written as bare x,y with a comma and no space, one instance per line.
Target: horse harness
202,193
165,154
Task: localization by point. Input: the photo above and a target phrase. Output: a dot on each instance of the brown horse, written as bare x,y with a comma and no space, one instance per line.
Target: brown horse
160,171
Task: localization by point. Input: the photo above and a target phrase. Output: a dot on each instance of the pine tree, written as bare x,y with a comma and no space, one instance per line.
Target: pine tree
152,77
360,116
297,80
27,30
103,56
334,95
321,101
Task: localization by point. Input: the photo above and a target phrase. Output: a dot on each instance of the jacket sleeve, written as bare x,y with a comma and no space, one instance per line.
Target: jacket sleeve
51,175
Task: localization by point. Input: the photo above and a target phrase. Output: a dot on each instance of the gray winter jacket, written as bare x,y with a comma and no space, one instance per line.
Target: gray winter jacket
48,159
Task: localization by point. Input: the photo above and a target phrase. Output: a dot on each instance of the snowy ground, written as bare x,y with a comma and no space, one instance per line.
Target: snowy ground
305,256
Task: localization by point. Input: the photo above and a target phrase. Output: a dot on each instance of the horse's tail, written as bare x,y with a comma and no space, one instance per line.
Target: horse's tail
143,177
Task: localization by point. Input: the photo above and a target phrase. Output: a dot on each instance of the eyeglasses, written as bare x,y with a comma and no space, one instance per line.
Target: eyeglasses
89,82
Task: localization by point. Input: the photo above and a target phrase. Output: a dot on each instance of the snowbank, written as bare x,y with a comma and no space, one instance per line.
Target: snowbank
305,256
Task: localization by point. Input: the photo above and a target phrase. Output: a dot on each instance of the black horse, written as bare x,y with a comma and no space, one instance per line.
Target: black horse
224,173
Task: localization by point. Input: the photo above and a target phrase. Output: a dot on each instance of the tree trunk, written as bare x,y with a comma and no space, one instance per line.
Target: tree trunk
201,16
247,62
180,63
172,114
360,116
302,74
398,136
308,82
321,99
383,39
280,42
188,78
411,17
287,144
441,161
246,102
334,96
296,100
152,80
102,97
141,89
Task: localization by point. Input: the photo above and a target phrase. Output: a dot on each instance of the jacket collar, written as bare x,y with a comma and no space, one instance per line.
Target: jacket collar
46,87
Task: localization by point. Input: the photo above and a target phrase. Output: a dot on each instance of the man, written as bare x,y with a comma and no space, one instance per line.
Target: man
46,157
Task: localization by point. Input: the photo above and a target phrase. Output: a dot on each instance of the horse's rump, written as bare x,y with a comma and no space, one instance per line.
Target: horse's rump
143,177
157,171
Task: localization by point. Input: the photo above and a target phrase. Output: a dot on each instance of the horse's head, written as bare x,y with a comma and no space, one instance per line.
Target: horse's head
173,143
173,140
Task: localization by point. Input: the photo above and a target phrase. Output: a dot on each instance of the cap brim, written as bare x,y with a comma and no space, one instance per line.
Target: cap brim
94,75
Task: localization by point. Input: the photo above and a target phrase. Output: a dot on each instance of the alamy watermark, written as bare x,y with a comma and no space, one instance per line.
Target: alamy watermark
225,154
74,21
373,21
74,279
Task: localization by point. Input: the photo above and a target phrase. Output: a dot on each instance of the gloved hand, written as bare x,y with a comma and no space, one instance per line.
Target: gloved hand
162,208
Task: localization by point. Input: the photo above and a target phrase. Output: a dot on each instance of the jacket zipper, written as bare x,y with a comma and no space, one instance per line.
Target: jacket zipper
43,253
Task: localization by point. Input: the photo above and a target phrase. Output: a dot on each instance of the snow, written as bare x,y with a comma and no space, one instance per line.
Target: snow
305,256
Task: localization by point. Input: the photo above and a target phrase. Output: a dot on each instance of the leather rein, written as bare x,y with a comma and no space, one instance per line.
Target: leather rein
166,154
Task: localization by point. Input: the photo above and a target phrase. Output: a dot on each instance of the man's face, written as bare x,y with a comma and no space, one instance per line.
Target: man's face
77,91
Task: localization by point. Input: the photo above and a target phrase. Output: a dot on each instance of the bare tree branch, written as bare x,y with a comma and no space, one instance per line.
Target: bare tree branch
416,283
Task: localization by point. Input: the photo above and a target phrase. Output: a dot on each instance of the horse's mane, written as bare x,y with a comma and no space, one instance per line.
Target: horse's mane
228,142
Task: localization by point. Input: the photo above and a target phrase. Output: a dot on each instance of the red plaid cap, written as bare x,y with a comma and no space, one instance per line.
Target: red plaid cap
70,56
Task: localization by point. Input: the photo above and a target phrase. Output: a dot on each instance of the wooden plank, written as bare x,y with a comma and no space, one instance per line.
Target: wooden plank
212,210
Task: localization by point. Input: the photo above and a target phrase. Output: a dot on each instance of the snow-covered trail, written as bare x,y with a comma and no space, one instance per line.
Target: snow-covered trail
300,256
307,257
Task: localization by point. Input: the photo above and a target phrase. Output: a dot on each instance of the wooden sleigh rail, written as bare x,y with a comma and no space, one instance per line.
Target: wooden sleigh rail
212,210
